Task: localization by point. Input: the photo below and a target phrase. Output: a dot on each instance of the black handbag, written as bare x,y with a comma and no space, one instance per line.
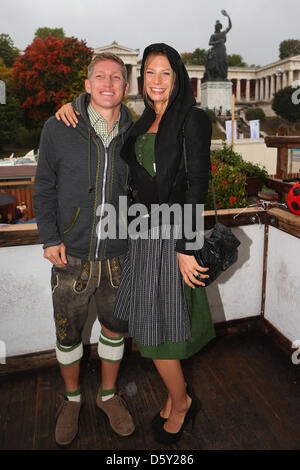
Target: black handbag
220,249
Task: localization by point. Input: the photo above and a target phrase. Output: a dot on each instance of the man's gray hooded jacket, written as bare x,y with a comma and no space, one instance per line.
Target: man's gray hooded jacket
75,176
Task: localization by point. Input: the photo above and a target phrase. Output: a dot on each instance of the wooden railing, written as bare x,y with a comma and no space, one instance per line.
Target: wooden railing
283,144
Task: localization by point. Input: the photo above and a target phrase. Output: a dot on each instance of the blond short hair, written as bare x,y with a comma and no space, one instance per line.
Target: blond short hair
107,56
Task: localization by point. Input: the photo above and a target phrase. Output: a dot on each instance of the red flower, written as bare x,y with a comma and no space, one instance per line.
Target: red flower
232,199
223,183
218,205
213,167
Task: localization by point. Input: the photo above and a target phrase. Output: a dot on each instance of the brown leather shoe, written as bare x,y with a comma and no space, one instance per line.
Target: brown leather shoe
67,422
118,415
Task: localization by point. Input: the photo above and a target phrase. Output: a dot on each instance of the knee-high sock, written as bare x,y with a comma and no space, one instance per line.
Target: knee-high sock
110,350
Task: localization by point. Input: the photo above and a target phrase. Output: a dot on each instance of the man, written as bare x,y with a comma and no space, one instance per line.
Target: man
79,170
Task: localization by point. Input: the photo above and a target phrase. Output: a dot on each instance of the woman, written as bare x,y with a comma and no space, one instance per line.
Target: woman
152,295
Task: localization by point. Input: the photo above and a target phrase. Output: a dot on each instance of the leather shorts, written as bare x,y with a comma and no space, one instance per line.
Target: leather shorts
73,288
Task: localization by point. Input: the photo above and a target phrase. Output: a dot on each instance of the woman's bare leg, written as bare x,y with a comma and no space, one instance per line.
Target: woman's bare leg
178,401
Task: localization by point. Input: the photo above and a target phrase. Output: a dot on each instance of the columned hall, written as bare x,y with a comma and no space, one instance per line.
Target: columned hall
251,85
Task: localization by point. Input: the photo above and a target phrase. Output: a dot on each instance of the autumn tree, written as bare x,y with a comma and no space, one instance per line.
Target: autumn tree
288,48
44,75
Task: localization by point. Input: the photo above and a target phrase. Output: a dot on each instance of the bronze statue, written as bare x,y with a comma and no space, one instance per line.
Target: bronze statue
216,65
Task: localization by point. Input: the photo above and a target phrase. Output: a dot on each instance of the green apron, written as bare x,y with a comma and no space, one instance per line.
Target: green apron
202,330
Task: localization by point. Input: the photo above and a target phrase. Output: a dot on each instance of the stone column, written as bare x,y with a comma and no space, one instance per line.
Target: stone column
247,90
261,89
256,90
278,83
198,90
133,83
284,79
267,89
238,90
291,77
272,90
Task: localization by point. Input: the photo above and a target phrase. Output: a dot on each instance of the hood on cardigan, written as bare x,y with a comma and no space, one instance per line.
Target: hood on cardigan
168,143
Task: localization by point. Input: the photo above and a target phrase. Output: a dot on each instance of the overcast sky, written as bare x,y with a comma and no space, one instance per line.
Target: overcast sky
258,26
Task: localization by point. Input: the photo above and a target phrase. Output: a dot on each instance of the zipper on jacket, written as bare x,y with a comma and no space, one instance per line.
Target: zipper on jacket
102,203
111,184
96,197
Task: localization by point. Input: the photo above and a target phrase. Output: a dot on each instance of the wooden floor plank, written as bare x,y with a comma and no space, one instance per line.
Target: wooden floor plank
247,387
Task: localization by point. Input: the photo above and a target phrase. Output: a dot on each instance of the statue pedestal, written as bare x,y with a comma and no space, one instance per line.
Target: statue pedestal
216,94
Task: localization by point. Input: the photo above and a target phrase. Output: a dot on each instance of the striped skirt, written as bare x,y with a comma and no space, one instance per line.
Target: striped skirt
151,292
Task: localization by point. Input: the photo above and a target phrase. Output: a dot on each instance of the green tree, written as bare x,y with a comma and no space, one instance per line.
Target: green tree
11,113
288,48
8,52
255,113
286,104
11,116
235,60
77,86
46,32
197,57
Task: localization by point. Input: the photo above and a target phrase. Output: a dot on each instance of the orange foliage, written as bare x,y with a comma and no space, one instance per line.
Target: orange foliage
45,72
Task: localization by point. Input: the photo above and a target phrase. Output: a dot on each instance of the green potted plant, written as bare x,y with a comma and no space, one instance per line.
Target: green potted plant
229,184
255,174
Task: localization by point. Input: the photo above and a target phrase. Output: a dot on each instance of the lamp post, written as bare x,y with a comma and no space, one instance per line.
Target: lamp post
232,121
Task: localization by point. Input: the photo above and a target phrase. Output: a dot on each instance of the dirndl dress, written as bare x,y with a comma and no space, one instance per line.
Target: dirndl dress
167,318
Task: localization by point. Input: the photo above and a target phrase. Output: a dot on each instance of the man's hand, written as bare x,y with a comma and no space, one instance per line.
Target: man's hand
190,269
56,255
67,114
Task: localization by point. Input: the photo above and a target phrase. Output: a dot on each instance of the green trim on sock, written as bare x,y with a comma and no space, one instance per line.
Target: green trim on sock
69,364
73,394
67,349
108,343
104,393
109,360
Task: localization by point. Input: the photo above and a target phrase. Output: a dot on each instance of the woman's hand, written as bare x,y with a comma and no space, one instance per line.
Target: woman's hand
68,114
190,269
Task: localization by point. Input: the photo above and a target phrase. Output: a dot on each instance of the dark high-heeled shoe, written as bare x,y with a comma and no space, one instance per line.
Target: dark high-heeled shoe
164,437
158,421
